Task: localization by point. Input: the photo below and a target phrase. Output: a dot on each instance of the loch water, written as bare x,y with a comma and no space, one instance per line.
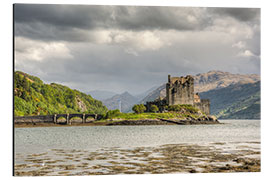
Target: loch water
97,150
42,139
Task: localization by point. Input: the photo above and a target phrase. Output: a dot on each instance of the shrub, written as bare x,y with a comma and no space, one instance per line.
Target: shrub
153,108
138,108
182,107
112,113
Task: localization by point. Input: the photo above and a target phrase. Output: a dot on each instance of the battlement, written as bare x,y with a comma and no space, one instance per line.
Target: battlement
180,80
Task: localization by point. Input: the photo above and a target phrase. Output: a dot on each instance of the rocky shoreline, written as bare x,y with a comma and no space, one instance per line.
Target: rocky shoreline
209,120
164,159
118,122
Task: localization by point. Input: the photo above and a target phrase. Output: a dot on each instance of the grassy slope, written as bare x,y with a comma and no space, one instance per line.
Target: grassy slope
33,97
238,101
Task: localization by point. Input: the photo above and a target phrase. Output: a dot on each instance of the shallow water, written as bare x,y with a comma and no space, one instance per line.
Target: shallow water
100,149
39,139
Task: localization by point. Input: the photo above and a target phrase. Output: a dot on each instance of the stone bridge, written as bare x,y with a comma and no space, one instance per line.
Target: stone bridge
55,118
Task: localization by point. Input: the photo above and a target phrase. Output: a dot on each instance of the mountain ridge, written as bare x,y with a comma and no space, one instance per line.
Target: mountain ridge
127,101
215,82
207,81
101,94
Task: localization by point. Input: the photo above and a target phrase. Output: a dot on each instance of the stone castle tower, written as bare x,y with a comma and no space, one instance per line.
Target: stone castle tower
180,90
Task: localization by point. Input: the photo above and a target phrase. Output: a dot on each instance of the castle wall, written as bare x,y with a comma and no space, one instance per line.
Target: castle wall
180,90
197,98
204,106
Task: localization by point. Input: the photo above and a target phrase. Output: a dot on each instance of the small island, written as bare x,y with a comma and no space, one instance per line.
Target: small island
181,106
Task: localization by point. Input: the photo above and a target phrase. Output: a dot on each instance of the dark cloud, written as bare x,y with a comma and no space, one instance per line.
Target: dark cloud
123,17
141,18
62,16
241,14
124,48
62,22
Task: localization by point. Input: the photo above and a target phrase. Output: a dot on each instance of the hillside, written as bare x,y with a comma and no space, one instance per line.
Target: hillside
218,79
33,97
145,93
127,101
237,101
215,85
208,81
158,92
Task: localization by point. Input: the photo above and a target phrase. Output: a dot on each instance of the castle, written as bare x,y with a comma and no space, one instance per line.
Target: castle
180,90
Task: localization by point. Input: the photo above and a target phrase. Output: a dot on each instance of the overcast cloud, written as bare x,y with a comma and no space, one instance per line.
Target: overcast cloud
124,48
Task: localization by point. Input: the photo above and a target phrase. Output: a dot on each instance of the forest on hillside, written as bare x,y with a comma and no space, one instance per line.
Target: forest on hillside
33,97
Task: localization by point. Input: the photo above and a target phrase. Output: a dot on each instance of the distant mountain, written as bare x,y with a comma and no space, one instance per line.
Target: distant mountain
215,85
208,81
101,95
218,79
159,92
144,94
127,101
33,97
237,101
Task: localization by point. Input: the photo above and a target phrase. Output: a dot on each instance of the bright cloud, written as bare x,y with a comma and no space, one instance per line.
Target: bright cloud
246,53
33,50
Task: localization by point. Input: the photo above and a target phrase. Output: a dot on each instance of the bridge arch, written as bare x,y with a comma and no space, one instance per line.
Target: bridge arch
73,116
68,117
58,116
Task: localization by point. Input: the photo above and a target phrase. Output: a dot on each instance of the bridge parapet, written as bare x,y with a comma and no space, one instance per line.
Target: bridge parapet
54,118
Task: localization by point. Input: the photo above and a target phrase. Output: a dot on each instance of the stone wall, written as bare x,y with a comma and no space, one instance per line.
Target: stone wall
180,90
54,118
34,119
197,98
204,106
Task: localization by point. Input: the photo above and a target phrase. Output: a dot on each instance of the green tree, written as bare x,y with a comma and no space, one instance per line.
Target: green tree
33,97
153,108
112,113
138,108
25,84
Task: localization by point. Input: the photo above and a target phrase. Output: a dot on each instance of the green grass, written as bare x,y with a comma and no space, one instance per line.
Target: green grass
135,116
175,112
144,116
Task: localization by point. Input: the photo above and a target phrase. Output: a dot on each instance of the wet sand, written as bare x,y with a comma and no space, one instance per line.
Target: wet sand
169,158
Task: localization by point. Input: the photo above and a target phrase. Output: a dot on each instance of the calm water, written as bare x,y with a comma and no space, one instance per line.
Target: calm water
36,140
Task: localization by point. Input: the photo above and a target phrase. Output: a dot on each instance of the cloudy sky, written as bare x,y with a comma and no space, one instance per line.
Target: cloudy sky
128,48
